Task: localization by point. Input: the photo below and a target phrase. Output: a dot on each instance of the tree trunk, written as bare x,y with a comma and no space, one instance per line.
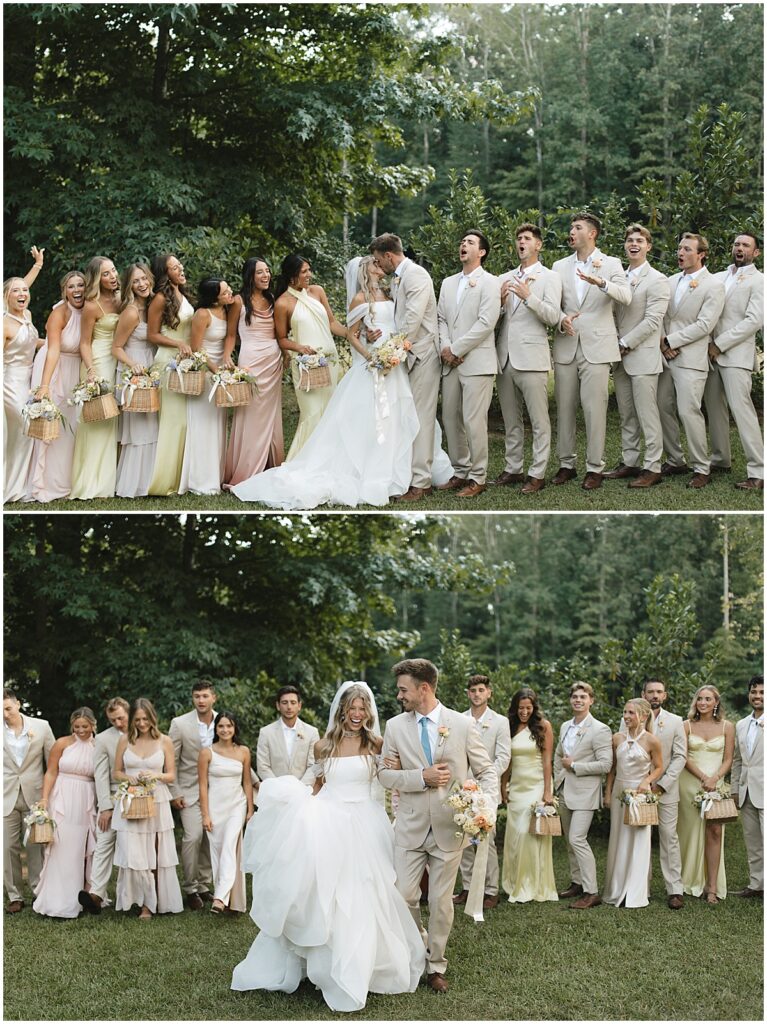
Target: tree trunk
161,61
726,577
374,222
188,544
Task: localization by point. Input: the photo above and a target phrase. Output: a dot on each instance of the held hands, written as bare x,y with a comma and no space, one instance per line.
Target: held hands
437,775
393,762
227,364
566,326
178,803
607,800
713,351
709,782
667,351
644,787
624,351
207,824
449,358
104,821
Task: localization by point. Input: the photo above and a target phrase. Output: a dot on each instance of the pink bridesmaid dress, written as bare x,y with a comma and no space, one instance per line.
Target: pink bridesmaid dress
256,441
72,805
51,472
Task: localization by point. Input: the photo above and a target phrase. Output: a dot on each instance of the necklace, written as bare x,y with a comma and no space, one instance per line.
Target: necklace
349,735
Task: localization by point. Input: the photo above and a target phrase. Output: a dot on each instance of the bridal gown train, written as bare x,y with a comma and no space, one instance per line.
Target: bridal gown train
324,895
360,452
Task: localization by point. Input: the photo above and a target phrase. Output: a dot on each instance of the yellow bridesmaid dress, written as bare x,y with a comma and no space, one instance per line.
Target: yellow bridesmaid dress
309,325
171,437
94,465
528,867
707,756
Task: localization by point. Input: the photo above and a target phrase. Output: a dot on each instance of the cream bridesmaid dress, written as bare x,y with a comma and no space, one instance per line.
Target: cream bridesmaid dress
94,469
707,755
18,356
309,325
228,806
172,433
528,868
138,430
628,852
202,469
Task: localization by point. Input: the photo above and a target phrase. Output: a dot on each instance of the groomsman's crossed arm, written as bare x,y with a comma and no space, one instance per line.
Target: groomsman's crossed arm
676,763
487,318
708,314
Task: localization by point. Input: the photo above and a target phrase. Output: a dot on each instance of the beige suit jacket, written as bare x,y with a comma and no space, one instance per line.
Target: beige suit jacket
742,316
689,324
495,734
669,730
640,325
104,751
28,776
522,338
185,734
415,310
592,759
747,775
467,328
272,752
423,807
595,326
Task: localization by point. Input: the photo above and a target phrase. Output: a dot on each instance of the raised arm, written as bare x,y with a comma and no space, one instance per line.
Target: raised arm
38,255
336,327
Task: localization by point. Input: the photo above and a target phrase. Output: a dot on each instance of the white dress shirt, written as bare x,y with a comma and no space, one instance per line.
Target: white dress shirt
733,276
683,285
521,274
19,744
289,734
570,738
754,724
207,732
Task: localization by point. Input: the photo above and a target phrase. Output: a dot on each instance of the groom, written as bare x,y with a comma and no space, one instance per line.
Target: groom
415,315
434,747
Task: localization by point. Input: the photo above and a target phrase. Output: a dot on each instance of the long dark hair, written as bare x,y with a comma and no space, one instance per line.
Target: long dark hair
163,285
249,285
230,717
207,292
290,268
535,722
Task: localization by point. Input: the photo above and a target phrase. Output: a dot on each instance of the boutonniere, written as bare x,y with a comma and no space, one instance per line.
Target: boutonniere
443,732
659,726
693,284
578,733
760,724
530,278
299,735
485,725
30,734
472,283
597,263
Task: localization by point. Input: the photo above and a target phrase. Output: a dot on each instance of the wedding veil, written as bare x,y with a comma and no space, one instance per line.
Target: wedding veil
337,700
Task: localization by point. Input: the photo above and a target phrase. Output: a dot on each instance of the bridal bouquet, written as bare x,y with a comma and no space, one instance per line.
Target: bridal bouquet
42,419
716,804
233,387
136,800
393,352
544,820
39,826
95,398
314,370
186,374
474,811
639,808
141,391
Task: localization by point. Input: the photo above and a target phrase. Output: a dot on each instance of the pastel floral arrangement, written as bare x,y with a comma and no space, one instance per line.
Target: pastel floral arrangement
127,791
189,364
40,409
596,263
632,796
87,390
393,352
474,811
141,381
311,362
542,810
235,376
38,815
705,796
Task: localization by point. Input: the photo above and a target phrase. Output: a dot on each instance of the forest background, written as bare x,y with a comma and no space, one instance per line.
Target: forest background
97,606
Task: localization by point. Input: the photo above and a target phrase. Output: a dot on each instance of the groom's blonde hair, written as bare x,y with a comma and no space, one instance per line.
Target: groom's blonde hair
418,668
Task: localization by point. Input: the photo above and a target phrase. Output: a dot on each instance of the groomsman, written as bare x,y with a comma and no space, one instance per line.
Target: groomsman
531,298
467,312
415,315
585,345
696,304
27,743
583,756
748,785
286,747
496,736
95,898
190,733
732,351
635,376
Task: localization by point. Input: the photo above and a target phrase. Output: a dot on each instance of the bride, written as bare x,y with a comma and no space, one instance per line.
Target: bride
360,452
324,895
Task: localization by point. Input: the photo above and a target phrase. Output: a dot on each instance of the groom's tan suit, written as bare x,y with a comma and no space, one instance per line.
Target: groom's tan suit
748,790
424,831
415,315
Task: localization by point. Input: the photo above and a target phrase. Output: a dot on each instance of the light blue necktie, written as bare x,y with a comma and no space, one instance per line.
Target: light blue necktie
425,739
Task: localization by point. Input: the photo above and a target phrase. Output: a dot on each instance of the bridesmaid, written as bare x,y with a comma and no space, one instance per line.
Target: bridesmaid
145,851
302,311
226,804
528,868
138,431
94,468
169,323
19,343
256,441
69,794
55,373
202,469
710,748
637,763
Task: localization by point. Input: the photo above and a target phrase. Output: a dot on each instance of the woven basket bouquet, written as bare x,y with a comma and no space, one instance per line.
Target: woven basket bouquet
96,400
140,389
639,808
544,819
42,419
186,375
39,826
717,804
233,388
136,800
314,370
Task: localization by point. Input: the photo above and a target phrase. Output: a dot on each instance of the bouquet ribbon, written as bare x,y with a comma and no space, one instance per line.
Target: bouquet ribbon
381,404
540,812
218,384
476,895
633,806
707,803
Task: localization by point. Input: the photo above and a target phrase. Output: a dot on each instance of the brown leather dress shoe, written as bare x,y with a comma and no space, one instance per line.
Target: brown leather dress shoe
533,485
193,901
437,982
699,480
460,897
504,479
592,481
454,484
15,907
750,894
489,902
563,474
622,472
90,903
646,479
471,490
588,900
675,901
572,891
669,469
206,897
751,484
415,494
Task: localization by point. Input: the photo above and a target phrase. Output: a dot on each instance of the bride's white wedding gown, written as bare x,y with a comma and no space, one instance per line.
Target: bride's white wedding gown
324,895
360,451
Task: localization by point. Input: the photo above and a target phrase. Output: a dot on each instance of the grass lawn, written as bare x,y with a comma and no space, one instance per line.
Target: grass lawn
673,494
527,962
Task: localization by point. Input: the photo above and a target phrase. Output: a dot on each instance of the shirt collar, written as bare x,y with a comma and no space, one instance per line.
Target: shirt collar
536,268
400,267
289,728
24,729
691,277
581,724
433,715
759,719
595,254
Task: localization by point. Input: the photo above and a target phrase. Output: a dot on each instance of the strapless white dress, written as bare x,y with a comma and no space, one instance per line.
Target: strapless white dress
324,895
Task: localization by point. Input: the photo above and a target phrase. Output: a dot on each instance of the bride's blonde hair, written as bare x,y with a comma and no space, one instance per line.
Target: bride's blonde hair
368,284
331,741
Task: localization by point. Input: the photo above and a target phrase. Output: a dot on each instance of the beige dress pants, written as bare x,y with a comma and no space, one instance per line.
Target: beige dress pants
668,843
588,383
443,868
491,875
101,866
465,403
583,868
13,832
752,820
424,383
681,391
728,390
637,399
195,852
532,386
